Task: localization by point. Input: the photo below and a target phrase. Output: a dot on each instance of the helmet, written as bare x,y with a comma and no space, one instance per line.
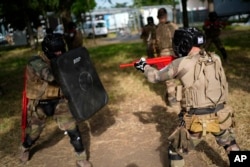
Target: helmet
71,25
212,16
162,12
52,43
150,20
185,38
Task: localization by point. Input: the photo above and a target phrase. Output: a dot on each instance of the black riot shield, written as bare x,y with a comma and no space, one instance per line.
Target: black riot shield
80,83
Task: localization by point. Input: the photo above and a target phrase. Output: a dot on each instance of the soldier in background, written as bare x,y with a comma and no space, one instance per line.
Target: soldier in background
149,37
73,36
212,27
164,33
45,100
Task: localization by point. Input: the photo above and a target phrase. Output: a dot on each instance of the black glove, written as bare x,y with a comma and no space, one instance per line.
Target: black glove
139,65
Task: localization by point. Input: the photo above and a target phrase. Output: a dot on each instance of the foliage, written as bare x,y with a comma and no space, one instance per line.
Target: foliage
82,6
27,11
154,2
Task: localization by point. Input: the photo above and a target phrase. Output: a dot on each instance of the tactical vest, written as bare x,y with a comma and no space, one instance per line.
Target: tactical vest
36,88
148,34
212,29
204,81
164,34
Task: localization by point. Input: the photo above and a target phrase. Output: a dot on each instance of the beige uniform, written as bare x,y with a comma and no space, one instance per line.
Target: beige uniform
205,103
164,35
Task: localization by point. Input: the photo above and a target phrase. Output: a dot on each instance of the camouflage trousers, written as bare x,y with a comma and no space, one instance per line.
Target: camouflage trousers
217,42
150,51
39,111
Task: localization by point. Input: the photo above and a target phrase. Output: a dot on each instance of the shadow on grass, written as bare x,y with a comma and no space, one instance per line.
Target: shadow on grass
165,124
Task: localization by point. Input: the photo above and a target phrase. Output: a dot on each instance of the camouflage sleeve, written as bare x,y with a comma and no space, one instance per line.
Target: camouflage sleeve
143,33
169,72
41,69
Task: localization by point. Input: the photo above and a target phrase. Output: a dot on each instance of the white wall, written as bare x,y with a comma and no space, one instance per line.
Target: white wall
153,10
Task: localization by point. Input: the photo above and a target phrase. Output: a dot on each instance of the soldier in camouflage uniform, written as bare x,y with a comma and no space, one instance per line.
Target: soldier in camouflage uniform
45,99
149,37
164,33
73,36
203,95
212,28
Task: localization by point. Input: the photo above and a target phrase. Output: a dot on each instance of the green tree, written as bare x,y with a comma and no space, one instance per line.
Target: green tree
120,5
26,12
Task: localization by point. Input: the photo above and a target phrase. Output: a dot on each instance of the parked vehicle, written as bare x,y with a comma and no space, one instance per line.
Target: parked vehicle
59,29
95,28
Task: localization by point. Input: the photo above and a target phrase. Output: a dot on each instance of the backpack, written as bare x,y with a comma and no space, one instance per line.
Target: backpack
204,81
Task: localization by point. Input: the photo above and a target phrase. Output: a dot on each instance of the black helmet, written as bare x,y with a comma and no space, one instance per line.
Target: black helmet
162,12
71,25
52,43
185,38
212,16
150,20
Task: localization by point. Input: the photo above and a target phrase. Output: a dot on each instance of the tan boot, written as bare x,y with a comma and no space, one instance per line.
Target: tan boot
24,154
81,160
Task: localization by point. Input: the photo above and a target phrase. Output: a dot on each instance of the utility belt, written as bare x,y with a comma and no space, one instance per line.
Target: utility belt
203,111
203,119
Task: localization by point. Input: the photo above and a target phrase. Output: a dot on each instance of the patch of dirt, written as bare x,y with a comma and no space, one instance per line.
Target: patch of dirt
131,131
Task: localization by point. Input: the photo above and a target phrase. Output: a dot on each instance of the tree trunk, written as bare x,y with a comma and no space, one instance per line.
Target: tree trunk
184,13
66,18
210,5
174,13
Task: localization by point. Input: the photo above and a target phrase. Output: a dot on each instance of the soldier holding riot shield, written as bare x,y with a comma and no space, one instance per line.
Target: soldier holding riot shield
45,98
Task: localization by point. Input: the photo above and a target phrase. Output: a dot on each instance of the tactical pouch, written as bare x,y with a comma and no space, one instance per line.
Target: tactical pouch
188,118
225,117
52,91
205,123
173,92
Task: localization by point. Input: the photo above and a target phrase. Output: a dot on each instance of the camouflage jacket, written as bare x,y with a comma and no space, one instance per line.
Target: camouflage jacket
148,34
204,84
164,35
213,29
40,82
74,39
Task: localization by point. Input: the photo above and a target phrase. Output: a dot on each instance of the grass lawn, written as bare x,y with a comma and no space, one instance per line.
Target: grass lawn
107,59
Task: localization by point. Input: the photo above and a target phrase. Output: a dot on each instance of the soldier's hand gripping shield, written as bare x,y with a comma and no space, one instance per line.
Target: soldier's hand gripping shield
80,83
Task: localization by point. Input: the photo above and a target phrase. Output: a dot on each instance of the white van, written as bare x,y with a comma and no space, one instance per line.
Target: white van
95,28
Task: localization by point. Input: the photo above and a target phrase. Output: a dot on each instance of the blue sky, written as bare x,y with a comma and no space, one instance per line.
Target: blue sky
105,3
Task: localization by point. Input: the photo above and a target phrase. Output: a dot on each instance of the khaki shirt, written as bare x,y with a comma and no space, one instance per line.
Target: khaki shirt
164,35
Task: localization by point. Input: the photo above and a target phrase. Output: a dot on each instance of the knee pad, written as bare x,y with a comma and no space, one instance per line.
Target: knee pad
224,137
232,146
175,160
76,139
